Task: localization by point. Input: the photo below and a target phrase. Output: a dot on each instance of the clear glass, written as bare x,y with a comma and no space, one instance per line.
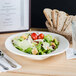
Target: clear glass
74,36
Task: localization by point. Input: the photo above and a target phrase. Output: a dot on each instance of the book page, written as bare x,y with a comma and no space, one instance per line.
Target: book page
14,15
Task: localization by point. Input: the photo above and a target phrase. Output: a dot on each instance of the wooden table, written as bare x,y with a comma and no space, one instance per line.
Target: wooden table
53,66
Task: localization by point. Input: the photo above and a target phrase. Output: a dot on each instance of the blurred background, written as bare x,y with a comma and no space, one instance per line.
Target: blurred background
37,17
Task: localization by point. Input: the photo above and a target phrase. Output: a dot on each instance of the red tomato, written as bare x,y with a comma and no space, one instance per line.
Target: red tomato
40,36
34,36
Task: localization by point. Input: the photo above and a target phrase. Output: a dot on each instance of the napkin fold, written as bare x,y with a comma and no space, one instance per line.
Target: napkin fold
5,63
70,54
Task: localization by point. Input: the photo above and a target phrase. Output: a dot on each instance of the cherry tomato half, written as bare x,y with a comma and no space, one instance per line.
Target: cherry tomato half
34,36
40,36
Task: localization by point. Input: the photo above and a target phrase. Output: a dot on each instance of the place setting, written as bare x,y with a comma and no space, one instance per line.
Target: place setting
37,39
7,63
39,45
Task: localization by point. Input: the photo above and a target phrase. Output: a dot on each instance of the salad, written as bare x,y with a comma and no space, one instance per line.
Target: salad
35,44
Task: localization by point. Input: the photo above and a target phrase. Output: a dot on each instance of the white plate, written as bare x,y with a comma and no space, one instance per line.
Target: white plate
63,46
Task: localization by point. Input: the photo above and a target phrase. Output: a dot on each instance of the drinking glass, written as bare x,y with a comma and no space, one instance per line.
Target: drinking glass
74,36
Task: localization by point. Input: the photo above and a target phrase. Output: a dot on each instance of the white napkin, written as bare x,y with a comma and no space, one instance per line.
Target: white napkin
5,63
70,54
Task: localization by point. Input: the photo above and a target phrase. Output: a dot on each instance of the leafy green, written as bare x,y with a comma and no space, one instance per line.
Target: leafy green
44,47
28,50
41,52
48,38
21,39
38,46
18,47
56,41
49,51
24,44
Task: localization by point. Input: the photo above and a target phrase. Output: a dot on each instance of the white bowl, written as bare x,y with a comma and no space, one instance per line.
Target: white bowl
63,46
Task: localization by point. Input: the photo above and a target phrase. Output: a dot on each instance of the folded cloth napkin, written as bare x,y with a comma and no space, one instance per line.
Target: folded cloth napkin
70,54
5,63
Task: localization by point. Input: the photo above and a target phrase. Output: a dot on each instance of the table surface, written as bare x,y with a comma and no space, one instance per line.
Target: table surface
53,66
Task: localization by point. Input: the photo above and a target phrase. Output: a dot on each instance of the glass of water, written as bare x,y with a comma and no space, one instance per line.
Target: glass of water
74,36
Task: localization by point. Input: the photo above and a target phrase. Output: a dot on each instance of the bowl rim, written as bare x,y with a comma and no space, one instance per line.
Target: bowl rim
26,54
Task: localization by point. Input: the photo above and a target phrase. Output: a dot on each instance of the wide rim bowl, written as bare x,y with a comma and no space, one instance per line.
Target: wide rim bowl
63,46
